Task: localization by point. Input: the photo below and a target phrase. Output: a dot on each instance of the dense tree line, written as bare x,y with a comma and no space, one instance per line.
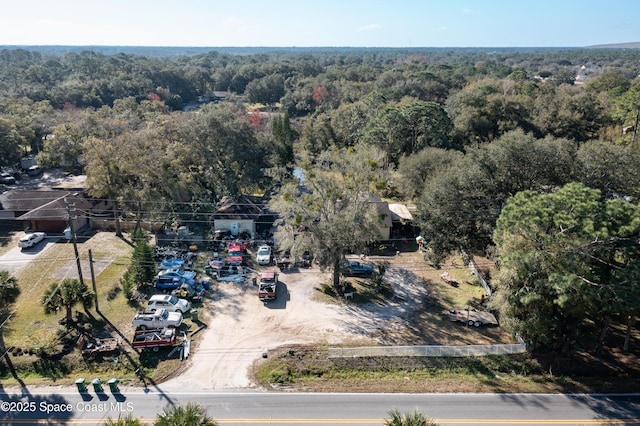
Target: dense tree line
462,133
484,94
569,267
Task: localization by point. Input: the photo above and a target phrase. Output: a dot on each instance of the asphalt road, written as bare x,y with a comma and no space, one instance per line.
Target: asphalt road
258,408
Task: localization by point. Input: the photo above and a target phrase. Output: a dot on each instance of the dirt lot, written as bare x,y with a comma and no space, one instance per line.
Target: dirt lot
240,329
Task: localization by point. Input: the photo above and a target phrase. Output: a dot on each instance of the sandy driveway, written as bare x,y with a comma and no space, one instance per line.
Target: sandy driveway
240,328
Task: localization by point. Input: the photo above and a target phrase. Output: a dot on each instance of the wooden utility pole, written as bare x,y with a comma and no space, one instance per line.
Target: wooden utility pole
93,281
74,240
635,128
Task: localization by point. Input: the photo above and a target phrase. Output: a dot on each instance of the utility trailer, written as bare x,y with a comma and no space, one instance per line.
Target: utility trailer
100,346
472,317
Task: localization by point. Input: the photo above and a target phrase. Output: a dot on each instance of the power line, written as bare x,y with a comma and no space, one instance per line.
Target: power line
36,284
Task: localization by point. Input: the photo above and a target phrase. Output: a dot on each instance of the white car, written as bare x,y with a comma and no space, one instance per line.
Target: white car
7,178
31,239
168,302
263,256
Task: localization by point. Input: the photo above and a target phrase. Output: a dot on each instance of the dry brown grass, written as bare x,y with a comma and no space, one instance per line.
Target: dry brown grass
9,239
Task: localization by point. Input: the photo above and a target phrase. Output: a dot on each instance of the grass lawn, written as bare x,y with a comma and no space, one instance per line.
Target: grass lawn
30,327
43,350
308,369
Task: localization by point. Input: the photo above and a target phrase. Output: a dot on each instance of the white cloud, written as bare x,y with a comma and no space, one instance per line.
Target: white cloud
370,27
468,11
231,22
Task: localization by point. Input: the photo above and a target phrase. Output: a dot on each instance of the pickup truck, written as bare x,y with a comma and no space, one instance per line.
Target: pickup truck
234,254
157,319
268,287
154,339
168,302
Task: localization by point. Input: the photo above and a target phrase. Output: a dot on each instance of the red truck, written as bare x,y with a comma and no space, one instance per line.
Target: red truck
234,254
154,339
268,287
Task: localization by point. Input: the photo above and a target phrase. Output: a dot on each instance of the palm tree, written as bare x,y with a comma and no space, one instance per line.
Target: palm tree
67,295
415,418
191,415
9,290
122,421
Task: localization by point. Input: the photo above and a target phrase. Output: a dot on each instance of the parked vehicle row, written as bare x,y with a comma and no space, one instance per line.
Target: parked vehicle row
9,177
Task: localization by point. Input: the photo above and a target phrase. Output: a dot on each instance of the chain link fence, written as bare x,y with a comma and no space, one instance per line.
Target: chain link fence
427,351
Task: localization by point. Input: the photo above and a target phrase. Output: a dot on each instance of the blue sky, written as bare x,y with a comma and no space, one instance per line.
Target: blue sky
302,23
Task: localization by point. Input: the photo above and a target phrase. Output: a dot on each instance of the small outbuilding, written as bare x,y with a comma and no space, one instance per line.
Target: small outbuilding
242,214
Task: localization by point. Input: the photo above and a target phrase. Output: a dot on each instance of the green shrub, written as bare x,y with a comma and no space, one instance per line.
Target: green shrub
327,289
128,285
276,372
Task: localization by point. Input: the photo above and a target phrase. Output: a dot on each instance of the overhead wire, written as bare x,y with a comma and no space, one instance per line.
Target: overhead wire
167,213
37,283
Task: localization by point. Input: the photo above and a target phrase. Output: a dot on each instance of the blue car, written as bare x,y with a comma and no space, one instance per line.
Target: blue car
168,283
172,274
357,269
173,263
